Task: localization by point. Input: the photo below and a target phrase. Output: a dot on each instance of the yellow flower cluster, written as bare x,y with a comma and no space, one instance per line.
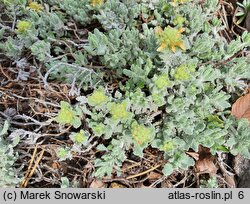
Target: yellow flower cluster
162,81
97,2
66,115
142,134
79,138
98,98
176,2
23,26
170,38
184,72
119,111
35,6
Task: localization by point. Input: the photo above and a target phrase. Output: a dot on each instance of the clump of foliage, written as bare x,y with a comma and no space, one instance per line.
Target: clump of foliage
63,153
68,116
243,9
8,174
174,75
210,183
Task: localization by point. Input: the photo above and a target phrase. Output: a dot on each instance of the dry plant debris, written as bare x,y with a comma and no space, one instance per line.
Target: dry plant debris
241,108
151,107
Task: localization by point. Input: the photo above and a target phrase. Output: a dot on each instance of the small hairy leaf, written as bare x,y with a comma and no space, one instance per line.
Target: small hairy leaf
97,98
168,169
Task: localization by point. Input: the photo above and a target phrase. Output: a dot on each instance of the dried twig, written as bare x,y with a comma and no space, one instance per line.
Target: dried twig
144,172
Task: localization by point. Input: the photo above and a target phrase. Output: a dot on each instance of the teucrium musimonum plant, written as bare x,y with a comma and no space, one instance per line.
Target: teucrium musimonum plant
181,78
173,74
8,174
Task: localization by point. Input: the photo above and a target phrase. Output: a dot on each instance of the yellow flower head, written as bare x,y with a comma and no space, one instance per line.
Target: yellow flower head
184,72
96,2
98,97
176,2
35,6
142,134
179,20
168,146
119,111
170,38
162,81
23,26
79,138
66,115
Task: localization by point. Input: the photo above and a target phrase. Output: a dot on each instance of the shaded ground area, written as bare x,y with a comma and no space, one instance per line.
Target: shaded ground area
31,105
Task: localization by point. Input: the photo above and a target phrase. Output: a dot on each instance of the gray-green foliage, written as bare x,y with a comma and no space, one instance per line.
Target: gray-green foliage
118,14
191,89
173,87
119,48
79,10
65,183
242,10
114,157
8,174
210,183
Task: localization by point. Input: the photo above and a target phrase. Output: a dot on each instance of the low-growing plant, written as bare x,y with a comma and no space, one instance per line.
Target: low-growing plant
69,116
243,9
181,79
8,174
210,183
153,73
64,153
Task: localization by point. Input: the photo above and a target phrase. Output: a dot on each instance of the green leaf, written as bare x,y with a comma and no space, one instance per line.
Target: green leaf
4,128
76,122
98,98
63,153
138,150
79,138
65,182
101,147
142,134
168,169
220,148
41,50
67,115
119,111
2,31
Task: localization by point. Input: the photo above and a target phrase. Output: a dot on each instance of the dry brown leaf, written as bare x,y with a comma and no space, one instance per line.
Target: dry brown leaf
247,114
194,155
206,162
117,185
230,179
55,165
206,165
241,107
97,184
154,176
